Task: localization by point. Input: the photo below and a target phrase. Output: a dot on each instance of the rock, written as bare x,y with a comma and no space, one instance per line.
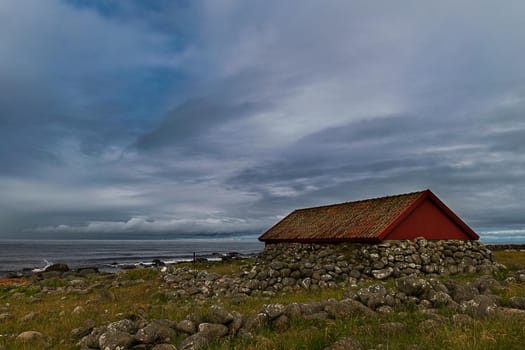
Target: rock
115,340
347,308
4,316
77,310
186,326
155,332
126,326
462,320
317,316
255,322
213,331
29,336
217,314
345,344
429,325
196,341
28,317
411,285
517,302
105,296
236,324
479,306
382,273
392,328
507,312
281,323
164,347
57,267
273,310
80,332
461,291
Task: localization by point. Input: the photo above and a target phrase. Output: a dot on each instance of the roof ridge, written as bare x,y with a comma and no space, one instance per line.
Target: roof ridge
361,200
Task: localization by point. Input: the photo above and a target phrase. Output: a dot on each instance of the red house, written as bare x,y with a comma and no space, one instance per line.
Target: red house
404,216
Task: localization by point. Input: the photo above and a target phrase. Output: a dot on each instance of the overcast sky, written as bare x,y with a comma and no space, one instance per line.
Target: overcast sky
147,118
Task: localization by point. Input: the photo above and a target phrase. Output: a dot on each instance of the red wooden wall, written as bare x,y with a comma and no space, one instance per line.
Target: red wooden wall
429,221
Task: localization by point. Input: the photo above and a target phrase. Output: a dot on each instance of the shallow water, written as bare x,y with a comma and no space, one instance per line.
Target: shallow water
16,255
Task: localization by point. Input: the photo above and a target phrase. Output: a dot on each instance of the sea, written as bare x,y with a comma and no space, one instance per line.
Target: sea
26,256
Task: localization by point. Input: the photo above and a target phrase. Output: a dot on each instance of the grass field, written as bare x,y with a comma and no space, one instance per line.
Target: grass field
139,293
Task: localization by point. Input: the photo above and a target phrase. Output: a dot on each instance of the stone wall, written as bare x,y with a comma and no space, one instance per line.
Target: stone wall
284,265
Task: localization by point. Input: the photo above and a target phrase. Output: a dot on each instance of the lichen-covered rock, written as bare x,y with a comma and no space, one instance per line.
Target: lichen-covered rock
156,331
345,344
196,341
115,340
29,336
517,302
213,331
273,310
217,314
412,285
186,326
479,306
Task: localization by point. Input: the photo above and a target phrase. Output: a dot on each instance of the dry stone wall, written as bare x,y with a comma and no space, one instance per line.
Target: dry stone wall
324,265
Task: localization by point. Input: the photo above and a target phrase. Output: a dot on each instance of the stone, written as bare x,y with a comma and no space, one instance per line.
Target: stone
236,324
155,332
217,314
256,322
411,285
213,331
124,325
164,347
273,310
479,306
461,292
392,328
57,267
517,302
29,316
462,320
383,273
29,336
317,316
429,325
186,326
281,323
346,309
105,296
196,341
115,340
345,343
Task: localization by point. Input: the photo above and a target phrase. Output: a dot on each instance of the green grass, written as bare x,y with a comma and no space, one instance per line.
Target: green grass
145,296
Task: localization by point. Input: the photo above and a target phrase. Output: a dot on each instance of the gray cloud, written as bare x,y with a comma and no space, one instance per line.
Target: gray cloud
199,117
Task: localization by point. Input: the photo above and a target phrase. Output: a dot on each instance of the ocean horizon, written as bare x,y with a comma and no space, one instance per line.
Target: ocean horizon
19,255
106,254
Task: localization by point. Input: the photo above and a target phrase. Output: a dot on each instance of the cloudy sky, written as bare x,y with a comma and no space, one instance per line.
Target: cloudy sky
168,118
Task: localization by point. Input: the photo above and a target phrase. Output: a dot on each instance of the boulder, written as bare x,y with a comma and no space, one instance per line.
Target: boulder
164,347
479,306
345,344
412,285
517,302
115,340
57,267
155,332
273,310
213,331
29,336
217,314
186,326
196,341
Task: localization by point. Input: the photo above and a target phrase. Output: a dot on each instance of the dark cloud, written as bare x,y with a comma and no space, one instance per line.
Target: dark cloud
203,117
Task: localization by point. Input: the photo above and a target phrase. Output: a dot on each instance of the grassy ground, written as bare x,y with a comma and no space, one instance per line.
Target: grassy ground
139,295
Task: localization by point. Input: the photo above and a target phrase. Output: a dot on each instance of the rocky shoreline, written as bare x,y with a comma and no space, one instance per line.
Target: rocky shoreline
391,277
